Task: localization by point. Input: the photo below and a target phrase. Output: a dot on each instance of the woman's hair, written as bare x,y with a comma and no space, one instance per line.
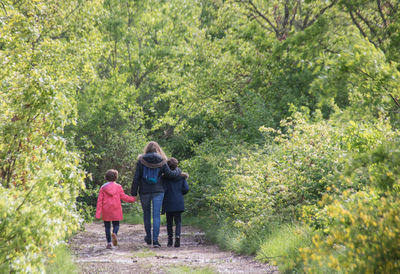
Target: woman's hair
172,163
154,147
111,175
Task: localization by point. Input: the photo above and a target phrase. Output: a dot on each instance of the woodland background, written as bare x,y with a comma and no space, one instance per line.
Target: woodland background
283,112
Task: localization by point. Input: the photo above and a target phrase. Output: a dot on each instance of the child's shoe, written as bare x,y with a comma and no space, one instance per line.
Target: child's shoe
109,246
114,239
156,244
177,242
169,241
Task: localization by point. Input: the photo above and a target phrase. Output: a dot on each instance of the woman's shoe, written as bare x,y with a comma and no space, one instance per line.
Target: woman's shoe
147,240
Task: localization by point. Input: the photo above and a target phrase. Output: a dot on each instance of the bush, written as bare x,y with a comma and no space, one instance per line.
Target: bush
362,228
363,236
282,246
296,173
60,261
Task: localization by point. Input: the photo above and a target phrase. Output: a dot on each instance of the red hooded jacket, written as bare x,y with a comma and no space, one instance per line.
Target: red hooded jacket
109,202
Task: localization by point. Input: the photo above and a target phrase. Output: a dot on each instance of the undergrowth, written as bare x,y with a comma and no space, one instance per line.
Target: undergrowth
60,261
276,243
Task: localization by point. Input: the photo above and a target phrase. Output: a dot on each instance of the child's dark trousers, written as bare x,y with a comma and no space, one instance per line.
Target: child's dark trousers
174,216
107,225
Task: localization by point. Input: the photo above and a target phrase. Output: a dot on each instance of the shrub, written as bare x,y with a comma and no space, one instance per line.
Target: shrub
362,227
281,247
363,236
60,261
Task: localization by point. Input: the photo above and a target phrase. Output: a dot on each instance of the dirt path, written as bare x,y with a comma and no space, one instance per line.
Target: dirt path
132,255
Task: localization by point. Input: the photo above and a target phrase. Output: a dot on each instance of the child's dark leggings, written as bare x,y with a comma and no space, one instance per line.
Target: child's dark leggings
174,216
107,225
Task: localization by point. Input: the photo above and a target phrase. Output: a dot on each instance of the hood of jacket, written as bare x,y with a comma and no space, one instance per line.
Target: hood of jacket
110,188
152,160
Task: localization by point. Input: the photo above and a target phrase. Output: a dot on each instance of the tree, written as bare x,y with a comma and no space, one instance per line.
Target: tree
283,16
379,22
43,47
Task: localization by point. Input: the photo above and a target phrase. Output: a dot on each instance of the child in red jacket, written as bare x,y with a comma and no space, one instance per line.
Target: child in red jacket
109,205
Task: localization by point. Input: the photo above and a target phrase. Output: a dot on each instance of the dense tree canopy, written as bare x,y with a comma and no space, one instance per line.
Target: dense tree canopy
283,112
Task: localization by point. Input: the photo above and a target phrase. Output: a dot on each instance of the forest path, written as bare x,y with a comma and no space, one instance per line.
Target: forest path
133,255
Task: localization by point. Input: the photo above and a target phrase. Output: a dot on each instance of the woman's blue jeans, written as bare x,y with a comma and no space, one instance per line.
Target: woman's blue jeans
146,200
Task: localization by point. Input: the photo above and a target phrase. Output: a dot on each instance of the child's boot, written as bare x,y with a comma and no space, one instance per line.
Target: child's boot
177,242
114,239
169,241
170,234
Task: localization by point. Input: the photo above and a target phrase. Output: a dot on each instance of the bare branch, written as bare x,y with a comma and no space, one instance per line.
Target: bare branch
359,27
294,13
138,80
129,54
378,2
252,16
305,21
395,100
4,8
25,198
371,28
255,9
394,9
321,12
286,15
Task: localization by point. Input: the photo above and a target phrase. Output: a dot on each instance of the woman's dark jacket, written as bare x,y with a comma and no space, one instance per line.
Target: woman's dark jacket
175,188
151,160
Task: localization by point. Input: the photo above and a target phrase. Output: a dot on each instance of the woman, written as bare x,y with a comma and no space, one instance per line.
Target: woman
151,166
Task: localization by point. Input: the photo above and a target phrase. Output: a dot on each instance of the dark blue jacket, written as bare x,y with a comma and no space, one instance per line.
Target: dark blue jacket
175,188
152,160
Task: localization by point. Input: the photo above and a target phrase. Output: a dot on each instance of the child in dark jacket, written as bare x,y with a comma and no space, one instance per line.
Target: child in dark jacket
173,204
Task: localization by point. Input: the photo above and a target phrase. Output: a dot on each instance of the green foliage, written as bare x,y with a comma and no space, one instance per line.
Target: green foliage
377,21
133,213
282,247
361,227
362,236
229,237
60,261
277,179
256,186
108,133
358,76
188,269
279,110
380,166
42,61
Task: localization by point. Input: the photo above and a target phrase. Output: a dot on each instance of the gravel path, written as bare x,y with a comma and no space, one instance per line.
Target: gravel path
133,255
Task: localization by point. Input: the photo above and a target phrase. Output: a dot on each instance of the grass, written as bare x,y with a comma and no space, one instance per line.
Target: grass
228,237
182,269
282,246
61,261
144,253
133,213
132,218
276,243
135,218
